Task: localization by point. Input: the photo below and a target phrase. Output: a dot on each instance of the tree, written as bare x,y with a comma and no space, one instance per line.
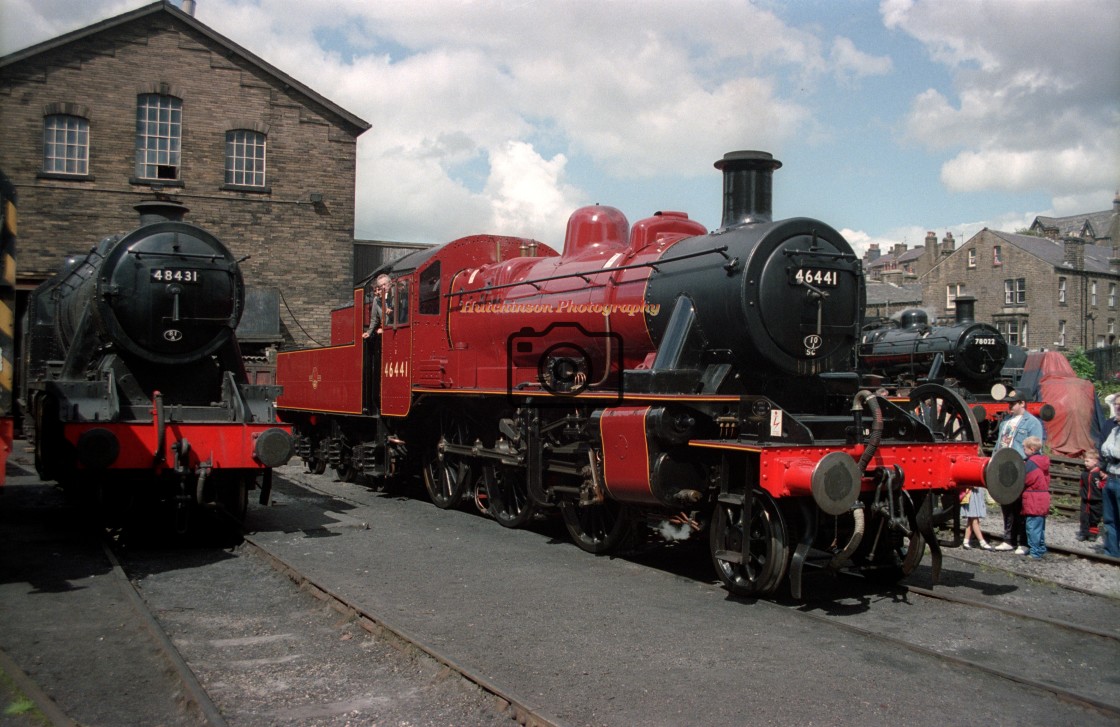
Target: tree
1082,365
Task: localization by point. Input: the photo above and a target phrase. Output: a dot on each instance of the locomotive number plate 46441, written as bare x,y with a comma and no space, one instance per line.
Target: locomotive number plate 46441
174,275
816,277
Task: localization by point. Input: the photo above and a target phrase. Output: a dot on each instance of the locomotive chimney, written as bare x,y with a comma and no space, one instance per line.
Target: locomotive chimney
747,186
154,211
966,309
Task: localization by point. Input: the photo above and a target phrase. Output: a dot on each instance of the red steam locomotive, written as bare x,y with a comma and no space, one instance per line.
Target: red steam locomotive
654,378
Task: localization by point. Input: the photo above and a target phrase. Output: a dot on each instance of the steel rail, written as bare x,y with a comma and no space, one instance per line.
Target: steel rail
194,689
1057,691
519,709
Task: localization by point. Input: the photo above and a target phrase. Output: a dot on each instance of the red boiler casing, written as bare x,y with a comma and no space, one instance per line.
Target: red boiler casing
512,309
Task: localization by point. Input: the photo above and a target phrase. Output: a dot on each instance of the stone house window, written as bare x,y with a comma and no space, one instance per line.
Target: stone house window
159,134
1061,291
1093,293
997,256
1015,291
1062,334
1014,330
952,292
65,144
972,257
245,158
1112,295
1111,327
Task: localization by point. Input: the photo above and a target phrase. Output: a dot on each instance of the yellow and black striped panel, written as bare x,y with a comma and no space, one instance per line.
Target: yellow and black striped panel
7,292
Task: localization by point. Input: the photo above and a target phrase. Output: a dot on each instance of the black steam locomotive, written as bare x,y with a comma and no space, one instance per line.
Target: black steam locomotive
133,384
973,359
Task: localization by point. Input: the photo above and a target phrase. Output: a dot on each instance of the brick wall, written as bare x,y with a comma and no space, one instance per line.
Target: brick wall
1042,310
303,249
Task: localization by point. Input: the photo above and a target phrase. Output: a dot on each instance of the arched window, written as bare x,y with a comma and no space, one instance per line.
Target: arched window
159,134
65,144
245,158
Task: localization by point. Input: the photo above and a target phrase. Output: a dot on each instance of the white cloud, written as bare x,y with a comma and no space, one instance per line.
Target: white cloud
1033,111
848,62
528,195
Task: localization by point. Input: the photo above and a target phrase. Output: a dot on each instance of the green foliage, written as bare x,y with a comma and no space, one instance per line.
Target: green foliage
1082,365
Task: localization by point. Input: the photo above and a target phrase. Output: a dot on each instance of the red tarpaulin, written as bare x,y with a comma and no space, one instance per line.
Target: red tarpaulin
1074,400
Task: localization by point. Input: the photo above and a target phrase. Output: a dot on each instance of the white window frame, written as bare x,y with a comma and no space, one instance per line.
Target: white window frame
65,144
246,158
159,136
972,257
1015,291
952,292
1061,291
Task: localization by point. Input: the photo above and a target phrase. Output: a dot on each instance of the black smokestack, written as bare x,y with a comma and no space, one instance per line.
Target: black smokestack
966,309
747,186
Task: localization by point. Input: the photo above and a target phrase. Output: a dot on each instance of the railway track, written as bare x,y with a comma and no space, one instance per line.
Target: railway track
1049,672
194,693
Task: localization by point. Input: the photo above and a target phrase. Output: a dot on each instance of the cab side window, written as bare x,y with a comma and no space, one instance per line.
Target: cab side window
429,290
398,303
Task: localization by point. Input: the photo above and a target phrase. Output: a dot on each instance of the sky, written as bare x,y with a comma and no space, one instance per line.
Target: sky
891,118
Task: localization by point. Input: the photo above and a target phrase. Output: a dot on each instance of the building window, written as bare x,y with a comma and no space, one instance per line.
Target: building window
1010,330
1093,294
159,133
972,257
1100,341
1111,327
952,292
1015,291
65,144
997,256
1061,291
245,158
1062,334
1112,295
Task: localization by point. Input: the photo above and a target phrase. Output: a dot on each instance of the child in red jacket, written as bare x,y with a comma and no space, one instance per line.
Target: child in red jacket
1092,482
1036,496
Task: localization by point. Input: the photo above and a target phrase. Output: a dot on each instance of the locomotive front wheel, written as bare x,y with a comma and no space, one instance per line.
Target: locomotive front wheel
945,413
767,553
510,503
316,466
896,553
597,528
446,475
345,469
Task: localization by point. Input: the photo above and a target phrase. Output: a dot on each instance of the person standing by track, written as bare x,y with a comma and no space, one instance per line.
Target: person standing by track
1110,496
1013,431
1092,482
1036,496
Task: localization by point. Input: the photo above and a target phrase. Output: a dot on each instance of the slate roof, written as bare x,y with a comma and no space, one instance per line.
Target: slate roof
1094,224
311,98
1053,251
891,294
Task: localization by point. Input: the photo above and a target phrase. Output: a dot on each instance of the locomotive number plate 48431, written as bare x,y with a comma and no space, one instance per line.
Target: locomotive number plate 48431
174,275
817,277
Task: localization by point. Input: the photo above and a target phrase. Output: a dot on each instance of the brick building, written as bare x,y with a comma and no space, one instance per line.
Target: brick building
153,102
1060,292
